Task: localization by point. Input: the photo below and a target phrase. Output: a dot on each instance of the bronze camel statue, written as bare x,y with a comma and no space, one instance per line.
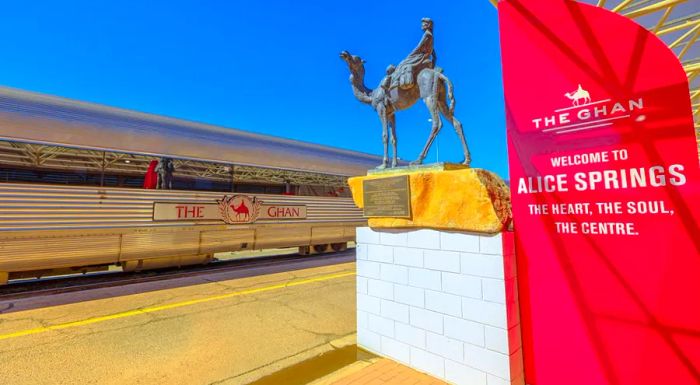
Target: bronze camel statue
430,85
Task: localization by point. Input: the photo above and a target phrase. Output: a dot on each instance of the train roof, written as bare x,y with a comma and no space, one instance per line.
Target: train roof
39,118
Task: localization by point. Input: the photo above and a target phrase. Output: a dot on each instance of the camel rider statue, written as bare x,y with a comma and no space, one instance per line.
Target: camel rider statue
423,56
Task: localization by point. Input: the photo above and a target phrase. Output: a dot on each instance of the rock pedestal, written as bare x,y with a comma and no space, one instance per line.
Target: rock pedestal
447,197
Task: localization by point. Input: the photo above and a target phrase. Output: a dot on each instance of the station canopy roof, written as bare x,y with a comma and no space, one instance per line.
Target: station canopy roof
39,119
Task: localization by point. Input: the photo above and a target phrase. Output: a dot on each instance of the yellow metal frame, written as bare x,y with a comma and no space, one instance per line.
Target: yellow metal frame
40,156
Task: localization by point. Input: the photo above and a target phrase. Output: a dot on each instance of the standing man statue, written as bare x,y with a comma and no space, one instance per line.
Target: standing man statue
165,169
423,56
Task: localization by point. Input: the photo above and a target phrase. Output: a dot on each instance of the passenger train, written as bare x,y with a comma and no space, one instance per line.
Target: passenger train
72,196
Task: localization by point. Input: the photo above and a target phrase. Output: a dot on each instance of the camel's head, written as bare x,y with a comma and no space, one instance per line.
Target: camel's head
355,63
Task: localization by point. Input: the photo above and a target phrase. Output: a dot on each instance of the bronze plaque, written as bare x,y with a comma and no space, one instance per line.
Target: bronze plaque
387,197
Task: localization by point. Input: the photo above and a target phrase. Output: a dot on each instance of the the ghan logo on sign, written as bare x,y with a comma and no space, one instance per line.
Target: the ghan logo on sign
233,209
586,114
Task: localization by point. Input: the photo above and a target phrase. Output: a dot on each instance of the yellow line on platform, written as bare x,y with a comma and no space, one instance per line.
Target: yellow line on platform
175,305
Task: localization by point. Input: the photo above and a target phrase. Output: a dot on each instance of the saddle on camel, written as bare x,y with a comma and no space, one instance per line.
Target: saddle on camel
423,56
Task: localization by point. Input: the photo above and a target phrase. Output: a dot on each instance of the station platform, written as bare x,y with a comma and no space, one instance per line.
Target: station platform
380,371
258,326
215,330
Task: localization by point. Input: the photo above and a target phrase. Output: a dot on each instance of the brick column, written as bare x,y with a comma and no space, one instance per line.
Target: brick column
436,301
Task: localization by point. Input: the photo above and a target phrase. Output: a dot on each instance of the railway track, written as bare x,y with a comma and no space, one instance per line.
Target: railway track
265,265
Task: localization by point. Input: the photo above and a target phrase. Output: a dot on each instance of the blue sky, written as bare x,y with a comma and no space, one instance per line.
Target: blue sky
264,66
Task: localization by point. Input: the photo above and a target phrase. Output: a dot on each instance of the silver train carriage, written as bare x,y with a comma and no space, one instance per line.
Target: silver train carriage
72,196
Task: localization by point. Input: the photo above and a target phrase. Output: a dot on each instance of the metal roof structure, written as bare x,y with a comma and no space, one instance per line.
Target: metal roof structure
677,23
18,155
44,120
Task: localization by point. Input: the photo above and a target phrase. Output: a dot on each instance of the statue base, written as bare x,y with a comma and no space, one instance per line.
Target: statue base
446,196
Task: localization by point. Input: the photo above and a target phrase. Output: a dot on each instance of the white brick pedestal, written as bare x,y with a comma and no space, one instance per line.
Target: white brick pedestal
436,301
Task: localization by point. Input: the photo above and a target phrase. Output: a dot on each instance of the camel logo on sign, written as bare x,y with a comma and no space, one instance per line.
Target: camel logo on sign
578,95
239,209
586,114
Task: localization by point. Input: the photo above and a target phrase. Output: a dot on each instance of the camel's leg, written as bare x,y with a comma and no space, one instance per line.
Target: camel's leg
431,103
385,137
460,133
392,126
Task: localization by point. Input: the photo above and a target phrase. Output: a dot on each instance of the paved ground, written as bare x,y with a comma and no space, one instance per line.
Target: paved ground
224,332
378,371
385,371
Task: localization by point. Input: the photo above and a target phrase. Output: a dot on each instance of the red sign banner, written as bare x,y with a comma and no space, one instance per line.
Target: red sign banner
606,197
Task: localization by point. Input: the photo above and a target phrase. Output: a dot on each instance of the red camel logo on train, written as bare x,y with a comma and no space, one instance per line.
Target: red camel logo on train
241,209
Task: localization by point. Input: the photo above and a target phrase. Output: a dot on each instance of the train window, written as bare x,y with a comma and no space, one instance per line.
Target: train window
329,191
27,162
258,189
37,163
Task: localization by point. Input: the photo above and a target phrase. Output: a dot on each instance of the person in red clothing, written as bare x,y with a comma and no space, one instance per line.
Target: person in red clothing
151,178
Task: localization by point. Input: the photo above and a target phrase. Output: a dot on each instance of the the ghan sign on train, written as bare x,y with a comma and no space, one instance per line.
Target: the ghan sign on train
233,209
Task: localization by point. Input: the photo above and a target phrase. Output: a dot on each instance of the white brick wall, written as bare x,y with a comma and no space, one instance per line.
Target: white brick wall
457,242
497,339
464,375
394,310
424,239
428,362
394,273
380,289
444,303
380,325
434,300
367,269
407,256
396,350
409,295
367,303
380,253
441,260
464,330
393,238
410,335
445,347
426,320
494,290
424,278
462,284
